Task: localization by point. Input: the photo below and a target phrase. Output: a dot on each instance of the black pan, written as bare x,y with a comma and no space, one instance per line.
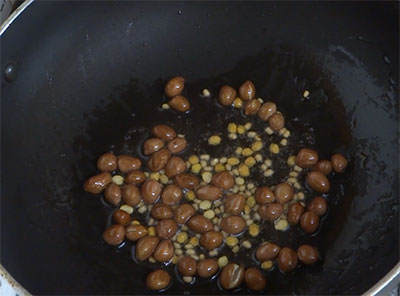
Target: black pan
87,77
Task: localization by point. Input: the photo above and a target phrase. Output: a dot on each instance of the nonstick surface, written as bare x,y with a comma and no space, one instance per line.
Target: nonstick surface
90,77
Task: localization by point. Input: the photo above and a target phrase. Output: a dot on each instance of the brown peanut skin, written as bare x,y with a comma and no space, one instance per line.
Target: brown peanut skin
209,192
174,86
284,193
211,240
233,224
200,224
98,183
152,145
175,166
107,162
309,222
264,195
324,166
318,182
113,194
287,260
251,107
161,211
339,163
294,213
306,158
307,254
254,279
207,268
135,177
223,180
179,103
276,122
163,132
183,213
166,228
151,191
127,163
114,235
267,110
234,203
130,195
271,211
158,280
145,247
177,145
318,206
226,95
186,181
164,251
247,91
267,251
231,277
187,266
121,217
171,195
135,232
158,160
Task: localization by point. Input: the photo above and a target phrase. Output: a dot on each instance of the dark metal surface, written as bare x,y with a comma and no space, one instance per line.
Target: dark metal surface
90,74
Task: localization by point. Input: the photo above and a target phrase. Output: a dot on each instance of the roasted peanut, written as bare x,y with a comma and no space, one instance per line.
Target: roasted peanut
145,247
267,251
264,195
254,279
128,163
211,240
175,166
251,107
177,145
318,181
174,86
233,224
231,276
207,268
107,162
306,158
223,180
151,191
135,232
152,145
171,195
247,91
283,193
339,163
200,224
307,254
287,260
158,280
317,206
324,166
164,251
166,228
186,181
98,183
271,211
121,217
234,203
209,192
226,95
276,121
163,132
135,177
187,266
179,103
161,211
130,194
158,160
183,213
112,194
309,222
294,213
267,110
114,235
